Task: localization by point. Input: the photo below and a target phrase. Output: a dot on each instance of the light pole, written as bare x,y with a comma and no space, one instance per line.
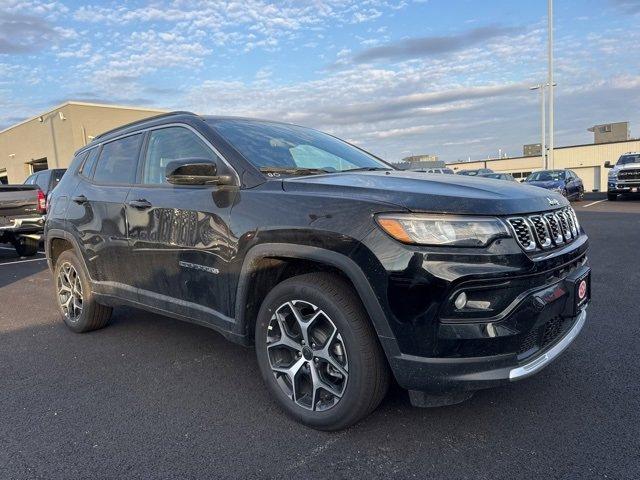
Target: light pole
543,143
550,80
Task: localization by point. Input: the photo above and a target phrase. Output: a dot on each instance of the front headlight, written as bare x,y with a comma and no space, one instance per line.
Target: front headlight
442,230
613,174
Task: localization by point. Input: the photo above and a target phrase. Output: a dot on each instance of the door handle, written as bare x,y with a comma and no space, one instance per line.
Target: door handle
140,204
80,199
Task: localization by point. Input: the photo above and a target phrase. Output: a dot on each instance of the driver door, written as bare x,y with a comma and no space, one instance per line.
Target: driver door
179,234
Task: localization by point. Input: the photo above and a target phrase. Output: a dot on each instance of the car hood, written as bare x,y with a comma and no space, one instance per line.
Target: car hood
546,183
627,166
420,192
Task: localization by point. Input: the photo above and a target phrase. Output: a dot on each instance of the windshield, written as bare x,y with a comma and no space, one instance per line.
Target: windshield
275,147
624,159
546,176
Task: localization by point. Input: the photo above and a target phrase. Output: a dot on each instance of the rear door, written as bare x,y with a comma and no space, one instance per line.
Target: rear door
179,235
96,211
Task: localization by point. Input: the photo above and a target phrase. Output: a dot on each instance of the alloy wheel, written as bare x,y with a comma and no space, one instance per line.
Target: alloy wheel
69,292
307,355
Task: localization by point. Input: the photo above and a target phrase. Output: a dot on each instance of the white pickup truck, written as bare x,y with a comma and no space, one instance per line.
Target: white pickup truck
624,177
22,209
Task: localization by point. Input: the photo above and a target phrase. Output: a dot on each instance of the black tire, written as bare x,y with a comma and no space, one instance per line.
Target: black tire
612,197
368,372
26,247
93,314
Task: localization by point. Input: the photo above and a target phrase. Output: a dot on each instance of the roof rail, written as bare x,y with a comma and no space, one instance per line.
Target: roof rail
137,122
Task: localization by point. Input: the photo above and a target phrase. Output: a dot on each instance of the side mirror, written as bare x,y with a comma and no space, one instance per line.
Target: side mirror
607,164
195,171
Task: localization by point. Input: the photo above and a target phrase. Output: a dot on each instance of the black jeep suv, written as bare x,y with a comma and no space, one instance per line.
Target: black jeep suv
339,268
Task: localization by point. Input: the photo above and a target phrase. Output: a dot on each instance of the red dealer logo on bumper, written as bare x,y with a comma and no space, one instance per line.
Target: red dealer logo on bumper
582,289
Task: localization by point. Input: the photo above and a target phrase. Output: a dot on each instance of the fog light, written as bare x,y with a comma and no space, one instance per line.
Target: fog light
461,301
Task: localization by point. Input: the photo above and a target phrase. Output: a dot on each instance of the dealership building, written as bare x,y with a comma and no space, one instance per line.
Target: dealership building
50,139
587,161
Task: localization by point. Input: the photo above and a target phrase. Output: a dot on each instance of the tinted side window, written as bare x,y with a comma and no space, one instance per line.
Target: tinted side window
169,144
87,167
57,176
118,161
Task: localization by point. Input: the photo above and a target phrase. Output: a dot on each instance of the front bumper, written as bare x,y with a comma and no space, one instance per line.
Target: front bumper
627,187
450,375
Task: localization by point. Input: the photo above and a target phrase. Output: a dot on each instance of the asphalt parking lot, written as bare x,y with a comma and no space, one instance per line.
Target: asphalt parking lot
151,397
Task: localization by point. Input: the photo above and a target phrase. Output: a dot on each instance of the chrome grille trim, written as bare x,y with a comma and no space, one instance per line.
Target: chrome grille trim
572,225
554,228
546,230
523,233
575,220
541,230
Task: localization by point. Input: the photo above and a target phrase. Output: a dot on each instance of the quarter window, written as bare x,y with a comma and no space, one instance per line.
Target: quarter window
118,161
169,144
87,167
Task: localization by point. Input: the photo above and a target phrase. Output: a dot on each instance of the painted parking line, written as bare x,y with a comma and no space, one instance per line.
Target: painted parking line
23,261
594,203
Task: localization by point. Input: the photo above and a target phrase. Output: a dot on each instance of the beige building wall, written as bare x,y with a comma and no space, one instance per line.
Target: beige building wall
55,135
587,161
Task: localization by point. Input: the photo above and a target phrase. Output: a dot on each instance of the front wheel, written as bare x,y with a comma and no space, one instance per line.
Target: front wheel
318,352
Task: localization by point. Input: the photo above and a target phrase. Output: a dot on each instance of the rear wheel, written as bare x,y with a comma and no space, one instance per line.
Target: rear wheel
318,352
612,197
26,246
80,311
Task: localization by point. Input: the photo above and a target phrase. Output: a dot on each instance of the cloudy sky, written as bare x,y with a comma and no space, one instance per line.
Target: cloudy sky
397,77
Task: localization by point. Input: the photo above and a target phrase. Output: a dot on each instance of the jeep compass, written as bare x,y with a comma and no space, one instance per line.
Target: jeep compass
342,271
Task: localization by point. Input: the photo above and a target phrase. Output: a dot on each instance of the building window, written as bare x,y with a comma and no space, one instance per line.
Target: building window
39,165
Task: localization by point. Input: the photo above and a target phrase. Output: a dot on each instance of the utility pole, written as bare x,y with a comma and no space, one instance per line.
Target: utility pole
550,82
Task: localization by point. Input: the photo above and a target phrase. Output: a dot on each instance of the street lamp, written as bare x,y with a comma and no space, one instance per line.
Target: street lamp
550,78
543,143
543,116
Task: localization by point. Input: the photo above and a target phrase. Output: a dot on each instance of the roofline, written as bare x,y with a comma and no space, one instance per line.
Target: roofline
82,104
556,148
142,121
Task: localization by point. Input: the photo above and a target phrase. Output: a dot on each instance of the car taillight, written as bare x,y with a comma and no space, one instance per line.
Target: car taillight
42,202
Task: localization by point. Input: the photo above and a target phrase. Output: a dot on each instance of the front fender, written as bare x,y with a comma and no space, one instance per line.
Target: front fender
334,259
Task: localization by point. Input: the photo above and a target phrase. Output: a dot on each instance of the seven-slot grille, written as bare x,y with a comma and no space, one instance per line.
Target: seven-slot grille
545,230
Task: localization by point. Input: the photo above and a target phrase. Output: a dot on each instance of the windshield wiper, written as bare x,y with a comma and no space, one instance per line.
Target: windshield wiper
294,171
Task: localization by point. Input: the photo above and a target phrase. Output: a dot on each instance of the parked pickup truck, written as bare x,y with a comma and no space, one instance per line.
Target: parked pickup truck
624,177
22,209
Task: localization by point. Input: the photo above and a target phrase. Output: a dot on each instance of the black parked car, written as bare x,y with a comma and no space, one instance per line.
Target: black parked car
339,268
564,182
